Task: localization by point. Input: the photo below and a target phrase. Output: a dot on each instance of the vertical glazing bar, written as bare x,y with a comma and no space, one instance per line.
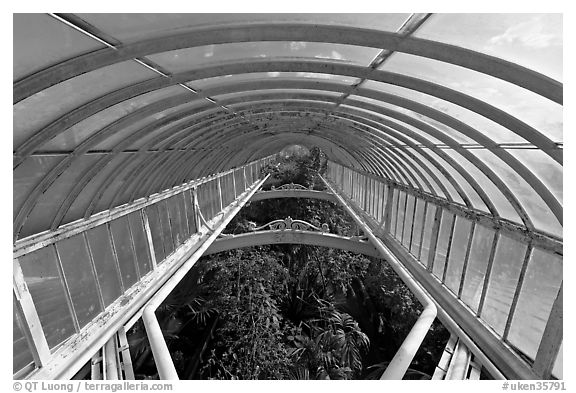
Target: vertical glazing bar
184,214
196,206
219,184
66,290
244,177
144,217
518,289
111,366
94,272
488,272
448,247
31,326
423,229
466,258
434,239
234,185
412,228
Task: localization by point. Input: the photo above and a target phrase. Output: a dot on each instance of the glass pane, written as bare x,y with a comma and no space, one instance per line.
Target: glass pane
503,280
73,136
40,269
457,253
106,269
418,226
27,175
428,226
183,216
166,227
502,204
136,27
401,213
182,60
43,41
156,231
442,244
477,264
536,208
49,202
140,243
77,268
46,106
408,222
531,40
545,168
188,198
533,109
539,290
21,354
175,221
124,250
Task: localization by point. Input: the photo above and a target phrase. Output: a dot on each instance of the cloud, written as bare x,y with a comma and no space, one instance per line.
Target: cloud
530,34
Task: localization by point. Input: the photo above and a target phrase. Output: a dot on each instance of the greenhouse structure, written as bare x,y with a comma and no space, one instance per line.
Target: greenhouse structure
138,137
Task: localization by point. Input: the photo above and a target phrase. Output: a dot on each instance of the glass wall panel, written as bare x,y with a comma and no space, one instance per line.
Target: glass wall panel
477,264
426,240
407,233
106,269
140,243
21,354
42,276
77,267
188,200
183,214
418,226
175,221
156,231
441,254
124,251
503,280
457,253
539,290
166,227
401,214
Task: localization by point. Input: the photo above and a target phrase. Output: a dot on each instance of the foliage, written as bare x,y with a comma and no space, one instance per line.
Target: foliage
290,311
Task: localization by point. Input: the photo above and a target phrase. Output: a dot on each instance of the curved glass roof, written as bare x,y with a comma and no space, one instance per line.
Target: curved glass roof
464,107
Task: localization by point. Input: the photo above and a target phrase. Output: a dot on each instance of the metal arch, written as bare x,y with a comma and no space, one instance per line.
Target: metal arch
460,99
192,164
442,136
242,136
197,142
466,58
544,198
449,141
261,238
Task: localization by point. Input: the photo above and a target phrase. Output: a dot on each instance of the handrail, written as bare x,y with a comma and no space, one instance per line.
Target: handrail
162,358
403,357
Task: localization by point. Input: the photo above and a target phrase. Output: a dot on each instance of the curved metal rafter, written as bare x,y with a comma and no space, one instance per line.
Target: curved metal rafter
493,66
542,188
